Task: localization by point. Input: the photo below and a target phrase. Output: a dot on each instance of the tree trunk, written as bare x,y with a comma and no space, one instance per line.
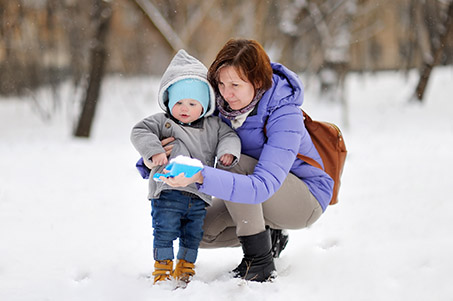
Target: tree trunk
102,14
161,24
428,67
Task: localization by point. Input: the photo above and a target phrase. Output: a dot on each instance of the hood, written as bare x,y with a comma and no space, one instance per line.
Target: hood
184,66
287,88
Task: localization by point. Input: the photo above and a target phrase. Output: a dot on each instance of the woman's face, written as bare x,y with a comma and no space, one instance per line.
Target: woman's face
236,92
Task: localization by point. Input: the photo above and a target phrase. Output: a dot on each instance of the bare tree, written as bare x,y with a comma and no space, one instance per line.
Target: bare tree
320,29
317,37
161,24
180,23
437,54
102,15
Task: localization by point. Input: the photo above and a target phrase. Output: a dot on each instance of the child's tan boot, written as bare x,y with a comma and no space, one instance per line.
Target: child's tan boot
162,270
184,271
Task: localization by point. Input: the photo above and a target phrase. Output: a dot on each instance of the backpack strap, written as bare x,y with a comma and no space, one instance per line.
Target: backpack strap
306,159
309,161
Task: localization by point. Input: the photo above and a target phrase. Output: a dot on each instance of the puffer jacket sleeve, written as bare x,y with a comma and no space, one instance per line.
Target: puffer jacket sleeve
284,131
145,136
229,143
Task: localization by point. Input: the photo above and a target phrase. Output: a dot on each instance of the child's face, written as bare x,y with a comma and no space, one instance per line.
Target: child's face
187,110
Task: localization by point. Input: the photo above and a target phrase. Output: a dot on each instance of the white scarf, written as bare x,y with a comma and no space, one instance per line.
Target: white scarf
239,120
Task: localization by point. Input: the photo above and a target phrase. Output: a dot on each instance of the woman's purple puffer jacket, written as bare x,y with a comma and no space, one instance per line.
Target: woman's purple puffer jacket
278,110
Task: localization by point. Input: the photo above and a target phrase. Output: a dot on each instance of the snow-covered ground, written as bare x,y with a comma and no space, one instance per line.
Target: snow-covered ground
75,223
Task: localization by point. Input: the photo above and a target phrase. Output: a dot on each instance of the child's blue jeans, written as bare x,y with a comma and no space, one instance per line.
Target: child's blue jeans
177,214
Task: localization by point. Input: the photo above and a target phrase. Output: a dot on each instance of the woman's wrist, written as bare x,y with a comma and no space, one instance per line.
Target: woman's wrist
199,179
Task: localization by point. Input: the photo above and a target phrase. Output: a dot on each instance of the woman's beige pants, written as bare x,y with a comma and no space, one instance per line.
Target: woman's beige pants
291,207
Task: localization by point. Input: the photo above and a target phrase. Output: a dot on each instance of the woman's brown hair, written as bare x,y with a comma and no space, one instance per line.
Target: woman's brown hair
248,58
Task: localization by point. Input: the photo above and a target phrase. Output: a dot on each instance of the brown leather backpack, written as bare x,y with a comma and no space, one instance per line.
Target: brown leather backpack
329,142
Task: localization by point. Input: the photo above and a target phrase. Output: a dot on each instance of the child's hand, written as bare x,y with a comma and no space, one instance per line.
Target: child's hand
148,163
159,159
227,159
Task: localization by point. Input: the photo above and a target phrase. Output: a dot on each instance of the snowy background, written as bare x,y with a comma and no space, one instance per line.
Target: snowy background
75,223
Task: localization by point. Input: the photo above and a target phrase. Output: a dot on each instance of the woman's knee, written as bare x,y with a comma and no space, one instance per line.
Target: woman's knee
316,214
293,206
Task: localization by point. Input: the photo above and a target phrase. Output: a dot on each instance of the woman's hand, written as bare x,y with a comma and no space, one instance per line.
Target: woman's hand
167,147
182,181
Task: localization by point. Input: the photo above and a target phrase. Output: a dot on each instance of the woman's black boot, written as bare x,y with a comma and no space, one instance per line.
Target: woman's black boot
279,240
258,263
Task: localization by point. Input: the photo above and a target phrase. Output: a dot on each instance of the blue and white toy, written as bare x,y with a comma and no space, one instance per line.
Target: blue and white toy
178,165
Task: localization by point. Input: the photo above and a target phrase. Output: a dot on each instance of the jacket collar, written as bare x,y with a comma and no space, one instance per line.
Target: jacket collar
198,124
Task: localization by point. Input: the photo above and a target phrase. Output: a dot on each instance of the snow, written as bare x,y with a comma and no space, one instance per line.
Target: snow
75,223
187,161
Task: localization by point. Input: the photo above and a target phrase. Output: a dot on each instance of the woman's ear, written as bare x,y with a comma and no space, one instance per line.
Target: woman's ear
258,85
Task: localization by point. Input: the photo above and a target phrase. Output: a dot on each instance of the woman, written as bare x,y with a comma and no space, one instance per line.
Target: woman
269,188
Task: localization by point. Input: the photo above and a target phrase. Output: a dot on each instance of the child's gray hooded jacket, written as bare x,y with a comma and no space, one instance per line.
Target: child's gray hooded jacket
205,139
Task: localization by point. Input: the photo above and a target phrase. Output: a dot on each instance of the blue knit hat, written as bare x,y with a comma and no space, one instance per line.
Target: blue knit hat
189,88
